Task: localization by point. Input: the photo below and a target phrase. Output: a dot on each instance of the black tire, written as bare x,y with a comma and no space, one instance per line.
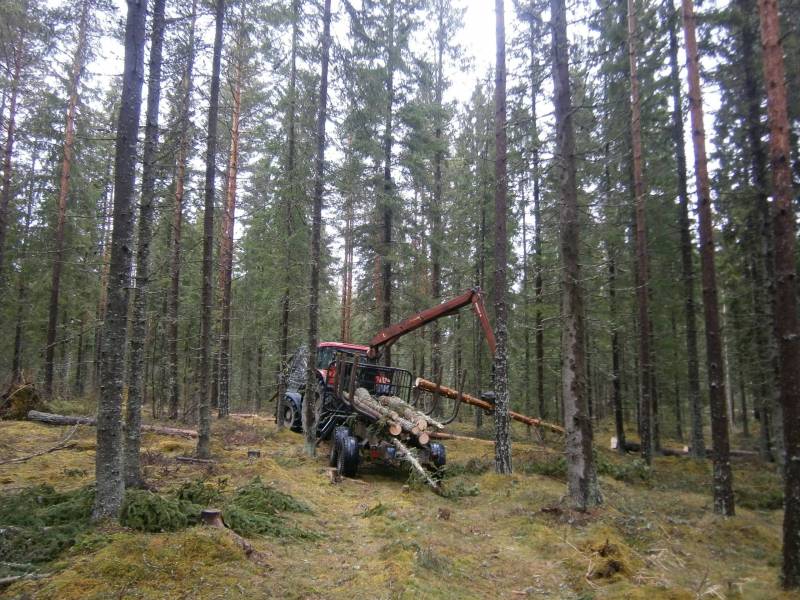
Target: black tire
438,455
347,457
339,433
291,417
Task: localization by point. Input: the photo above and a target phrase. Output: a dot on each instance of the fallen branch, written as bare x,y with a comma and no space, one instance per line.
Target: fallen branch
636,447
9,580
192,459
62,445
412,460
440,435
54,419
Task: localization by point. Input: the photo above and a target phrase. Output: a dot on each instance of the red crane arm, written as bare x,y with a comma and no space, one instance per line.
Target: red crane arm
388,336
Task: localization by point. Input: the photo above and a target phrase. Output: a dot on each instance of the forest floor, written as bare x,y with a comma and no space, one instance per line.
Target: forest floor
384,536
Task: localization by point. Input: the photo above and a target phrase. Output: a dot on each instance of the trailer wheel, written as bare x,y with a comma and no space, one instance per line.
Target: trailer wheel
347,459
339,433
438,455
291,417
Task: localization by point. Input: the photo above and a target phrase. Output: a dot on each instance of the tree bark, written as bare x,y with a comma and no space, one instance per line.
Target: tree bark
109,458
311,403
723,477
206,296
388,186
292,188
582,484
173,293
502,444
78,61
133,412
8,152
226,239
697,446
642,259
787,325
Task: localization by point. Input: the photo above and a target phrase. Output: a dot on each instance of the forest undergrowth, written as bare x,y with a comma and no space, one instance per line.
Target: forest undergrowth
382,535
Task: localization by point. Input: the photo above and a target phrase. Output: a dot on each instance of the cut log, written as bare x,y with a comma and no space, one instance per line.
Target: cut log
396,404
363,400
636,447
193,460
54,419
430,386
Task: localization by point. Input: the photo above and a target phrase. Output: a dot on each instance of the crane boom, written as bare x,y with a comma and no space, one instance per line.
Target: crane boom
388,336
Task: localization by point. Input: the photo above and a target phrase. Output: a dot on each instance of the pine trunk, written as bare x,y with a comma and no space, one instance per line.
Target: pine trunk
787,325
8,152
133,412
312,403
66,166
502,442
226,241
582,482
697,446
173,294
723,476
388,188
109,458
206,296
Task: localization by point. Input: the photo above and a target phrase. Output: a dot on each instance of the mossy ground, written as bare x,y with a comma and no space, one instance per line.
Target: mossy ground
655,537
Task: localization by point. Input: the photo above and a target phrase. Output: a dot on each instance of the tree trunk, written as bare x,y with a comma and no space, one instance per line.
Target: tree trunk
787,325
292,188
697,446
311,403
436,239
226,240
206,299
109,458
642,268
615,367
133,412
388,187
582,482
8,152
173,293
502,443
66,166
723,477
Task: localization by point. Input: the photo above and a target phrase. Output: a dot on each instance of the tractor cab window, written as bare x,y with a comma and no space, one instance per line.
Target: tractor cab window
324,357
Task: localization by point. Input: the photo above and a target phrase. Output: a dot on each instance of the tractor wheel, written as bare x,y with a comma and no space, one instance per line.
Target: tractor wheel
339,433
290,417
347,459
438,455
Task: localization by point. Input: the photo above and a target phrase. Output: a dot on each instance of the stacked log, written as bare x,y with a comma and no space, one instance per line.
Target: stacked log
366,404
405,410
430,386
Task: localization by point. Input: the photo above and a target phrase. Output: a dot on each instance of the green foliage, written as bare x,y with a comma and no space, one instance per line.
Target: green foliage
374,511
459,489
550,466
473,466
145,511
248,524
628,471
259,498
201,493
759,499
38,523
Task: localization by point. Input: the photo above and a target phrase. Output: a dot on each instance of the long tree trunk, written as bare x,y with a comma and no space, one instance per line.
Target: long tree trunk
723,476
78,61
311,404
206,300
22,288
615,352
787,325
697,446
226,240
502,439
642,268
8,152
173,293
437,235
108,466
291,190
582,482
133,412
388,187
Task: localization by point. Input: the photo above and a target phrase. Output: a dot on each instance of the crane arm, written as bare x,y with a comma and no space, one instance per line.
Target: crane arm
388,336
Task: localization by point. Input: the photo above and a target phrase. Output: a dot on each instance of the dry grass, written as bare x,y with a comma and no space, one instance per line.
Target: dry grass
654,538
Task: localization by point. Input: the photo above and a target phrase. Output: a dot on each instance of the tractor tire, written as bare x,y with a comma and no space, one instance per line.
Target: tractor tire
291,418
339,433
438,455
348,457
